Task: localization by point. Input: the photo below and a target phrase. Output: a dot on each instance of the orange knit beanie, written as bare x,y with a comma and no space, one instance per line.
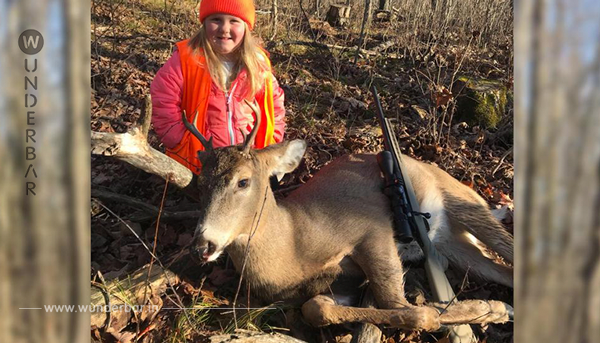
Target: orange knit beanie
243,9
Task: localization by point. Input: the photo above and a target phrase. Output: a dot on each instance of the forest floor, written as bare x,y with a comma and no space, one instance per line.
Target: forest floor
329,105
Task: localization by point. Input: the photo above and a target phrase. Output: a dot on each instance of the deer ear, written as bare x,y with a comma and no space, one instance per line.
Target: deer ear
283,158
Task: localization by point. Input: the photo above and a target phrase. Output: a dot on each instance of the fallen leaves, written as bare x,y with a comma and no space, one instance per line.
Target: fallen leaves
220,276
443,97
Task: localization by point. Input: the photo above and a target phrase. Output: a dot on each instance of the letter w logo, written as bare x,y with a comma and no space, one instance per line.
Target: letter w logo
29,40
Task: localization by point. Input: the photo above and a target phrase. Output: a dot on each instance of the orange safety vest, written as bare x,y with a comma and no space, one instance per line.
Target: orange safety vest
196,91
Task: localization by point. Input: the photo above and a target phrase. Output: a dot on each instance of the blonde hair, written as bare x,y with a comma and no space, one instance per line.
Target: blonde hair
248,55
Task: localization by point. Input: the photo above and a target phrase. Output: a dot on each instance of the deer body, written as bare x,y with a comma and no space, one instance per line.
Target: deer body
339,224
312,235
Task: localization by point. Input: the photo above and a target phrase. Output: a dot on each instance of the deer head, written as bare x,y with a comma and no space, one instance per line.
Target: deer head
233,185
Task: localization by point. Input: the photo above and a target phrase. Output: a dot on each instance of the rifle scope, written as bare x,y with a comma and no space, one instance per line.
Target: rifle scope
394,190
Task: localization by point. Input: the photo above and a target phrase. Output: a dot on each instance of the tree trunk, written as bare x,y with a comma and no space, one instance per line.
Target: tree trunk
274,9
44,235
384,5
366,19
557,130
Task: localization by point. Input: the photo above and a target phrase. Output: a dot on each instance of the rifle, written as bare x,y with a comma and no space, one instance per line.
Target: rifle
410,223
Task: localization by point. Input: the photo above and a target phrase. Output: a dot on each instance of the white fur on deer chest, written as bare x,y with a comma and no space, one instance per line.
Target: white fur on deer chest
439,231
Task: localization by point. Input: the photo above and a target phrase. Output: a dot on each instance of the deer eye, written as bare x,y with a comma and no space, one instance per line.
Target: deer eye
243,183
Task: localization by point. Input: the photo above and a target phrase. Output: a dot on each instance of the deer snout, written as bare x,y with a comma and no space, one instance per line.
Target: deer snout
202,251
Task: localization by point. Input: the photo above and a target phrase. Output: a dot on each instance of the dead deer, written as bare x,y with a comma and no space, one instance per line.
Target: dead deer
338,224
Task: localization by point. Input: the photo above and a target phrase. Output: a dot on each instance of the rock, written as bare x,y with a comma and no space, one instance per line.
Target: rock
383,16
245,336
480,102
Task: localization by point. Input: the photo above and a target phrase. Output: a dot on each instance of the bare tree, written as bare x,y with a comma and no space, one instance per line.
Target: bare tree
384,5
558,166
366,19
274,9
44,237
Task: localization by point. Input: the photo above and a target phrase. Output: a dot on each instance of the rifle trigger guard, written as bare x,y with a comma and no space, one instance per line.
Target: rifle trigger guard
424,214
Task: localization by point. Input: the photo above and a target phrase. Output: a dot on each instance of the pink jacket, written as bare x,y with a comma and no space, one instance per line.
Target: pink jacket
167,91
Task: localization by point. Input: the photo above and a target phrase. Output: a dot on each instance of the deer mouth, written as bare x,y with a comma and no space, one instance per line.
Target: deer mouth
206,252
211,254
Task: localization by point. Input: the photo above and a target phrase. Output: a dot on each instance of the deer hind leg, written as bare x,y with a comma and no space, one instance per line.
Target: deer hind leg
465,255
378,258
479,221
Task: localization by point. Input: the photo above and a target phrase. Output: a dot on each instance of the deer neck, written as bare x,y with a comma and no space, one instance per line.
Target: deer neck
265,256
272,230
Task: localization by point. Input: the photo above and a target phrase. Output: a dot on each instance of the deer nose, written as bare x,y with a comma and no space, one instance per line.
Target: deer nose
200,252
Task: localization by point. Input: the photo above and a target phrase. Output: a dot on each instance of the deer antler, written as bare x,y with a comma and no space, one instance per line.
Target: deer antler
133,148
249,141
208,146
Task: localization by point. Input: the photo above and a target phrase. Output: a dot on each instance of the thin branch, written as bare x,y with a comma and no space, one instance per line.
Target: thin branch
162,202
246,253
104,289
140,35
150,211
508,152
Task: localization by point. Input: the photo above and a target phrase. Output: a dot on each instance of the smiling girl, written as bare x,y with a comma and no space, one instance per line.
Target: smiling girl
208,77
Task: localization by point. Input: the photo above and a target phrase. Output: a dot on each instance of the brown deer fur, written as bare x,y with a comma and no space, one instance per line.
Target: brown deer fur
337,224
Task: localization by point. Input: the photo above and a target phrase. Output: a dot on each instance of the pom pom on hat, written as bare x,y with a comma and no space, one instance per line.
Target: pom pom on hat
243,9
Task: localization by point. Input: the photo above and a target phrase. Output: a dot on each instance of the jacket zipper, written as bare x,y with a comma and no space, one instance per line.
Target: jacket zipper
228,96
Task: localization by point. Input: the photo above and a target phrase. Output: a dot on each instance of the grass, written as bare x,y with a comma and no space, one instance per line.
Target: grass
196,319
255,319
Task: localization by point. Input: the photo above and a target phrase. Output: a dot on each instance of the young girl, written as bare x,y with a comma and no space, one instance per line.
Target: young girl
208,77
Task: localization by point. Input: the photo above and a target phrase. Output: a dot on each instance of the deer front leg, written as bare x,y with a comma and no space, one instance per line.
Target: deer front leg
367,332
378,258
474,312
322,310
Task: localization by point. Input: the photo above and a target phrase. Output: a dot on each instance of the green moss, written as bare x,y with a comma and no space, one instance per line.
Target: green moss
296,49
327,87
132,26
481,102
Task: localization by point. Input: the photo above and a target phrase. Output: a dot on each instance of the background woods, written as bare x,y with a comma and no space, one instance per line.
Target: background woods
558,130
44,238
